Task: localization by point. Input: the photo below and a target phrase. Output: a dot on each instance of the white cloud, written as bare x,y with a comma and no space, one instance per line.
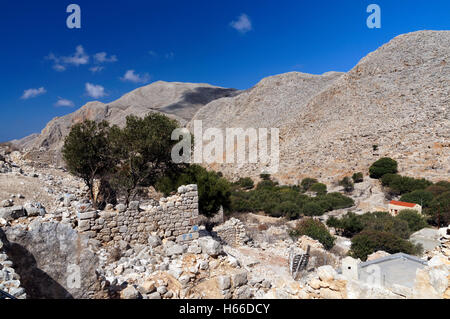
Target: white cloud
169,55
102,57
242,24
60,63
31,93
96,69
95,91
153,53
131,76
64,103
78,58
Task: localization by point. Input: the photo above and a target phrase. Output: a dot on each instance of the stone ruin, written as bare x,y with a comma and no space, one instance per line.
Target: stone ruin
173,218
10,285
232,233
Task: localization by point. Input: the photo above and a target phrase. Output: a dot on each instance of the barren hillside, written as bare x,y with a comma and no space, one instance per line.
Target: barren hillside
397,98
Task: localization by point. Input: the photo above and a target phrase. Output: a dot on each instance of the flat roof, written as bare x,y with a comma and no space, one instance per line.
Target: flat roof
393,257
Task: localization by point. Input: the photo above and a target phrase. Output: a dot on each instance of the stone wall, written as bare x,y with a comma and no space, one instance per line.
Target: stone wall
231,233
9,279
174,218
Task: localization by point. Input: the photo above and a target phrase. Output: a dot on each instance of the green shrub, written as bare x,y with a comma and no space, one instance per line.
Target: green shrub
266,184
350,224
287,201
265,176
246,183
338,201
439,210
316,230
318,188
415,220
358,177
288,209
307,183
383,166
348,185
420,197
438,188
368,242
399,185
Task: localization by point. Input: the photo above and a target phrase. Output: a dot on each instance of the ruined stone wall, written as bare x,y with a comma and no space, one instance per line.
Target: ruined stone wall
173,218
9,279
231,233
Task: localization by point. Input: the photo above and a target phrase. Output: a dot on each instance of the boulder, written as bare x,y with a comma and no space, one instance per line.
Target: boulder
155,295
52,259
239,278
121,208
224,282
34,209
154,241
210,246
12,213
175,249
6,203
326,273
148,287
129,293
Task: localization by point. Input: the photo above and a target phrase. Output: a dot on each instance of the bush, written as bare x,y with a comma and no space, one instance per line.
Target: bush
440,210
437,189
286,201
316,230
307,183
312,209
350,224
368,242
288,209
399,185
420,197
338,201
265,176
246,183
318,188
347,184
383,166
415,220
358,177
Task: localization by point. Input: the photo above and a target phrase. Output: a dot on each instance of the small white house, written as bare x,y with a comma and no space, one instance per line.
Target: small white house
395,207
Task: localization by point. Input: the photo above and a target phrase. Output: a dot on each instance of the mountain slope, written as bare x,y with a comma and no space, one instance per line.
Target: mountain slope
397,97
178,100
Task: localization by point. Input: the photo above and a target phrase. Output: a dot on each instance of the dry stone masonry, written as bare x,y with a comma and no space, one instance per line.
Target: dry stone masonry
9,279
232,232
173,218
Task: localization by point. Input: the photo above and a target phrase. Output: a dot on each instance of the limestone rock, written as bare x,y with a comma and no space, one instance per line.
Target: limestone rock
210,246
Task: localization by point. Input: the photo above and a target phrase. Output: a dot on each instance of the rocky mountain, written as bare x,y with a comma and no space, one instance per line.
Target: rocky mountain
178,100
396,98
394,102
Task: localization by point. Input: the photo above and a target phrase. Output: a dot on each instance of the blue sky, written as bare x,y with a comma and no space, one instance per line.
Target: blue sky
49,70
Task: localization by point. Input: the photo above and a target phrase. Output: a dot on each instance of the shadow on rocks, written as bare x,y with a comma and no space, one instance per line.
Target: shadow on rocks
37,284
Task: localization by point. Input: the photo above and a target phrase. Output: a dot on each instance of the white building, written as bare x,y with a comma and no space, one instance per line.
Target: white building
395,207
